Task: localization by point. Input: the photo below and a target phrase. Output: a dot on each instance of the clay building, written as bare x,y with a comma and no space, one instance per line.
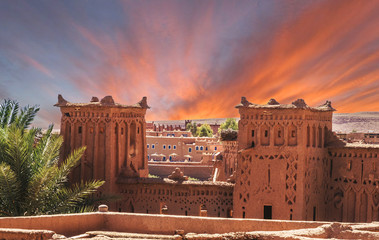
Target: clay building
169,133
115,137
290,165
180,149
193,155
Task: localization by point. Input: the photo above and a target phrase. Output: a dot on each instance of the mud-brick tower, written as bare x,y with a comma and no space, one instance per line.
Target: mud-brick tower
114,135
282,157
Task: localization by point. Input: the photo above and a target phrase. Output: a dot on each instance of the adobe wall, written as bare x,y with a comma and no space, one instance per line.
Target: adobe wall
229,157
179,198
75,224
354,181
66,224
201,172
167,224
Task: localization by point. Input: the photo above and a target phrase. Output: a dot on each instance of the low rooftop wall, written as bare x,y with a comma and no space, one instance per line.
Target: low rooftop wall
74,224
201,172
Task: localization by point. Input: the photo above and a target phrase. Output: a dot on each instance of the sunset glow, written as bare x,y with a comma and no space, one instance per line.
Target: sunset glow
192,59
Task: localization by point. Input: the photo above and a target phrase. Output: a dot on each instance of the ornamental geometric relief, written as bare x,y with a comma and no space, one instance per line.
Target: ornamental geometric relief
291,180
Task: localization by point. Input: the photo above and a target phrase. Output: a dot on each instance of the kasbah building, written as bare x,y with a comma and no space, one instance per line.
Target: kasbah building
290,165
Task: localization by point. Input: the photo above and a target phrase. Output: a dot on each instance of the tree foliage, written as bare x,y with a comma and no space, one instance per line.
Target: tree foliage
192,127
230,123
31,180
205,131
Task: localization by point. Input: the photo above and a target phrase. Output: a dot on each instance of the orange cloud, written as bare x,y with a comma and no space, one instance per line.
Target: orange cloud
198,64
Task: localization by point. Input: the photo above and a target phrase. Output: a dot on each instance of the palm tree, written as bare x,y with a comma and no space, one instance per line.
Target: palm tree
31,180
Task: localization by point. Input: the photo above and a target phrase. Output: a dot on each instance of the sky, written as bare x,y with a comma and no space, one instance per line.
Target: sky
192,59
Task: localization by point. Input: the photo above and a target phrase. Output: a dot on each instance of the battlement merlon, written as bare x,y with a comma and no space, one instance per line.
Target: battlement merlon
107,101
298,104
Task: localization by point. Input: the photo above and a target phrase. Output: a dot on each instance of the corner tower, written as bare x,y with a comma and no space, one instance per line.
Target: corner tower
281,160
114,135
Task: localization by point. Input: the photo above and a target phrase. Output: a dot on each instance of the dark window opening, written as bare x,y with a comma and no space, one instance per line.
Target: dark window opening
267,212
279,134
138,130
80,130
266,133
331,168
67,114
186,213
122,131
243,214
252,133
314,213
119,209
252,144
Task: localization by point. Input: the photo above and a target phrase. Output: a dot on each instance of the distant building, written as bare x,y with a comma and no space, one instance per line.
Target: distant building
370,138
181,149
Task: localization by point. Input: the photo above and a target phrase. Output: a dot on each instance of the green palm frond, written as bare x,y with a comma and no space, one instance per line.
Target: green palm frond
27,116
73,196
10,191
31,179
